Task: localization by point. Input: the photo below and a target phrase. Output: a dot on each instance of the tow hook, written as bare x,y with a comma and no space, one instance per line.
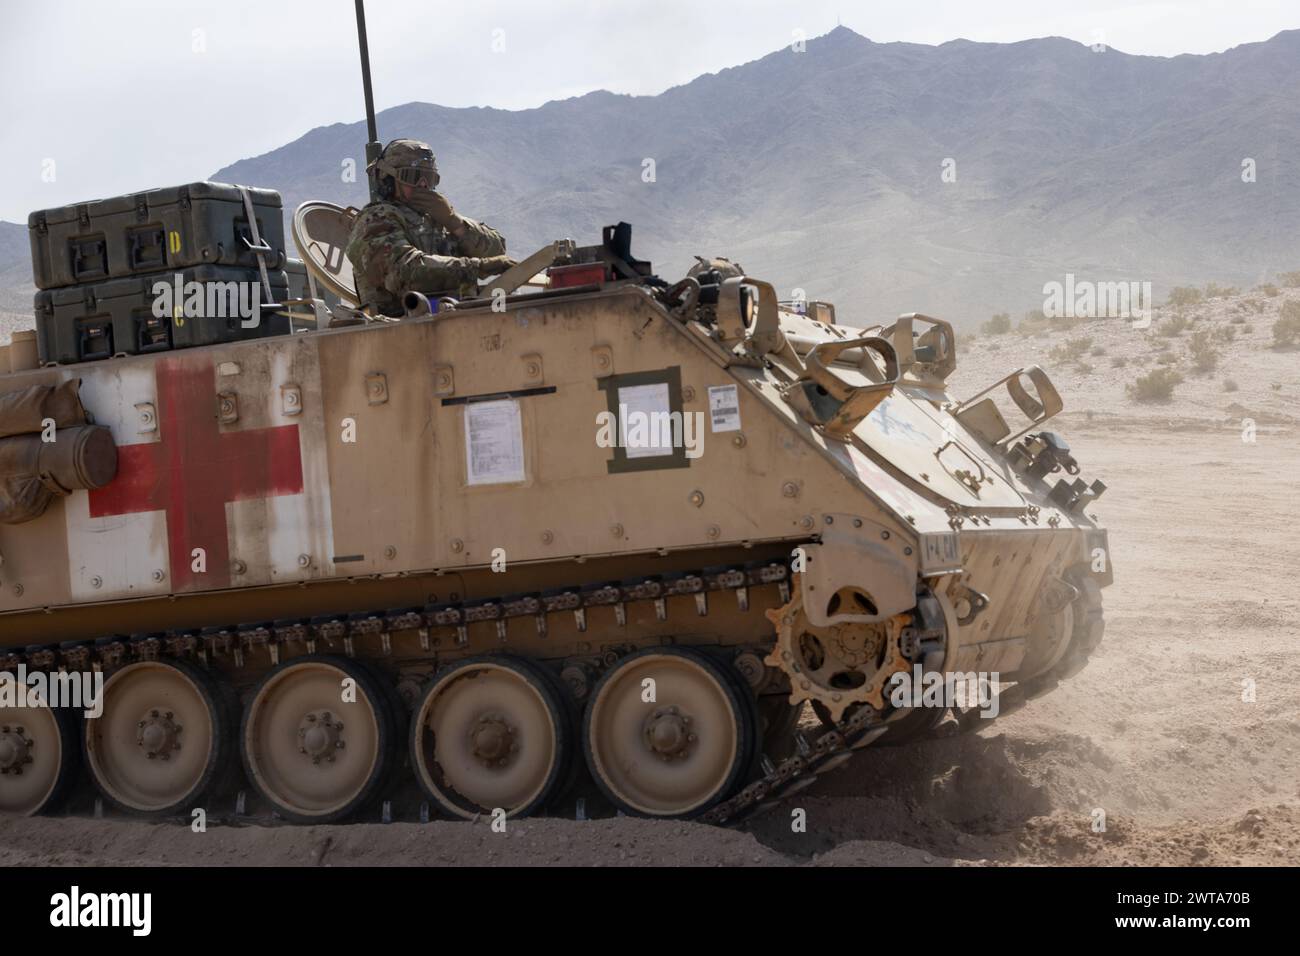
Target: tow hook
976,602
1059,594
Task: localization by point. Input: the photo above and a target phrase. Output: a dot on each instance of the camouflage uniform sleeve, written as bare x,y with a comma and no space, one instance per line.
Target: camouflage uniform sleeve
381,252
480,240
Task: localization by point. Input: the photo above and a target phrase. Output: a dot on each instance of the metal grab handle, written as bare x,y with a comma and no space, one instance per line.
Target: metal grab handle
852,403
819,358
1048,402
941,366
1037,410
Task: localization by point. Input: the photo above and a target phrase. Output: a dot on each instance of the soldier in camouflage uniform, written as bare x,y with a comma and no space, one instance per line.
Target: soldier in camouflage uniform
412,240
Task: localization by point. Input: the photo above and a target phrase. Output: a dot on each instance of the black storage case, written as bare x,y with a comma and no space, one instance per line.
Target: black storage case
172,228
100,320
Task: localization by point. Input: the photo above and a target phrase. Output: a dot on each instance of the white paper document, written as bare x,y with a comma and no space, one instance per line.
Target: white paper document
645,420
494,443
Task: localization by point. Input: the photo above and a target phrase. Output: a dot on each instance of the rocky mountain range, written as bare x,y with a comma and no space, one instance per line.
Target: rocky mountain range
955,180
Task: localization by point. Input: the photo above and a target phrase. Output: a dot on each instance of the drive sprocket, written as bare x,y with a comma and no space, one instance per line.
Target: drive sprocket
838,665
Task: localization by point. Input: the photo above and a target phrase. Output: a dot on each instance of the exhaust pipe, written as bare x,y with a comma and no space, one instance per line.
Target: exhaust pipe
417,305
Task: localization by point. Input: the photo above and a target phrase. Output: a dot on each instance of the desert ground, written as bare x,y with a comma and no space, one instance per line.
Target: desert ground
1161,731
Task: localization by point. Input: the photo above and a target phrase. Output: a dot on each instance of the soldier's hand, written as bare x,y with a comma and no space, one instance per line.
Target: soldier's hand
494,265
436,207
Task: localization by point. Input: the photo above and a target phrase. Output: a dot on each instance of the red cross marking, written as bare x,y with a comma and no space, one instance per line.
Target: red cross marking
195,468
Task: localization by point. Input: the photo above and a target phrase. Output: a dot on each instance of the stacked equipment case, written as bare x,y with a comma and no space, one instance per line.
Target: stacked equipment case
101,266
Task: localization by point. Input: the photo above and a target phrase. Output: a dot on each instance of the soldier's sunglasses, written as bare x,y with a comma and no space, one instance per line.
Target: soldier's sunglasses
417,176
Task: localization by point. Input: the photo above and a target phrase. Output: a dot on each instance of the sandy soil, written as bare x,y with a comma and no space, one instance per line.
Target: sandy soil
1155,732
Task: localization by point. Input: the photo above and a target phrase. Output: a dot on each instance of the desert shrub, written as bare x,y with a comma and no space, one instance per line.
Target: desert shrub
1173,326
1290,279
1269,289
1286,330
1097,352
1155,386
1071,350
1000,324
1118,361
1213,291
1229,385
1202,351
1248,328
1238,320
1184,295
1228,333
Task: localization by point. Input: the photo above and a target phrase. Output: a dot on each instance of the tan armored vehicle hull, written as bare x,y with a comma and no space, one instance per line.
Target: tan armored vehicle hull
437,549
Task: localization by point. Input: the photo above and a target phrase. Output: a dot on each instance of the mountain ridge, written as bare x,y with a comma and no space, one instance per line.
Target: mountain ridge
823,170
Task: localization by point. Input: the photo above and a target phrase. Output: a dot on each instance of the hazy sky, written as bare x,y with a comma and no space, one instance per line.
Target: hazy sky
110,97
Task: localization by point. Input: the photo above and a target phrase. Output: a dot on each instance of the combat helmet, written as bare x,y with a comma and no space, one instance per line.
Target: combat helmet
406,161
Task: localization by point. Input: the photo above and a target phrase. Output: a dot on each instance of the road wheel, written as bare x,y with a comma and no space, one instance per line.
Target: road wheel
38,758
163,739
318,738
492,733
674,755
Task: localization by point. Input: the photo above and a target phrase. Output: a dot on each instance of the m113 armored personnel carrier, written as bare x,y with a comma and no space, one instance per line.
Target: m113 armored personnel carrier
474,548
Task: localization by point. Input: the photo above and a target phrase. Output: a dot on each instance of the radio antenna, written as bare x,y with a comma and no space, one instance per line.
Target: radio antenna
372,147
